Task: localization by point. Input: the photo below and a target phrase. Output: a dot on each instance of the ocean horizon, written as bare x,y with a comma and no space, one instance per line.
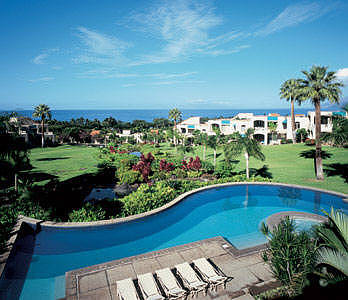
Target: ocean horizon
129,115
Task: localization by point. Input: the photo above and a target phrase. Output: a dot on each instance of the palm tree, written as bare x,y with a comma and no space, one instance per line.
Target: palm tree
319,85
334,236
204,141
246,144
290,91
175,115
43,112
212,143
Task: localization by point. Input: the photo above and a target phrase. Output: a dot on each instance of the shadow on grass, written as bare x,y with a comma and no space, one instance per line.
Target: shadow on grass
262,172
337,169
52,158
38,176
311,154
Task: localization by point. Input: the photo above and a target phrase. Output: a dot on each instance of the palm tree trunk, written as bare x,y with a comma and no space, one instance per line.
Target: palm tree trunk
247,164
42,133
293,124
214,157
174,138
318,157
204,151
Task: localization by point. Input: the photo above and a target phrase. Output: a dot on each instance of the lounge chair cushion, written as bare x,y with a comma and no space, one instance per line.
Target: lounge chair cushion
126,289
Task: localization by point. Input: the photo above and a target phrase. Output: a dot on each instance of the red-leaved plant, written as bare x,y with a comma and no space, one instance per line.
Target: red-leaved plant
192,164
144,166
165,166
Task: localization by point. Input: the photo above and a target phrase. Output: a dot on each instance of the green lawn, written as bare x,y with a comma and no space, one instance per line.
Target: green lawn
64,162
283,163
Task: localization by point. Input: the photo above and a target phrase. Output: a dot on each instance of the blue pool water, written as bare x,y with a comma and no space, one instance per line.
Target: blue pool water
233,212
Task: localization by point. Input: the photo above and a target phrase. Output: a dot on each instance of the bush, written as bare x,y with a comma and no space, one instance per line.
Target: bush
87,213
223,170
310,142
290,254
194,174
179,173
129,177
147,197
207,167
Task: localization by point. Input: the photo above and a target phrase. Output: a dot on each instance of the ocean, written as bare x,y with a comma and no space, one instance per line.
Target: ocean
150,114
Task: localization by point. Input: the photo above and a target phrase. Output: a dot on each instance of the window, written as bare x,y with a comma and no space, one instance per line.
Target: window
285,125
259,123
297,125
183,130
324,120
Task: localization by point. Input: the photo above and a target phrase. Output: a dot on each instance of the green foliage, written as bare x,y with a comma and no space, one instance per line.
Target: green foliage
207,167
333,251
290,254
179,173
194,174
147,197
223,170
87,213
128,176
301,135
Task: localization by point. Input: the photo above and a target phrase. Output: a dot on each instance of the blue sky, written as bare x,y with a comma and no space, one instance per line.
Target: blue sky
161,54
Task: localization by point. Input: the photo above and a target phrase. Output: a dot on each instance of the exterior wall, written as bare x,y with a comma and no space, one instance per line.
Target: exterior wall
243,121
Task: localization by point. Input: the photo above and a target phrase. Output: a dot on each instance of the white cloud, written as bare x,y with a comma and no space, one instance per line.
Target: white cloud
168,75
41,58
171,82
99,48
196,101
342,74
296,14
42,79
183,28
128,85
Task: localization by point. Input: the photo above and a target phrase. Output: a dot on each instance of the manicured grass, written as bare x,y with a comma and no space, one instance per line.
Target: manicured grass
64,162
283,163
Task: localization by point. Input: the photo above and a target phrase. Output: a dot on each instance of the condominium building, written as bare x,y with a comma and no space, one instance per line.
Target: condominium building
268,129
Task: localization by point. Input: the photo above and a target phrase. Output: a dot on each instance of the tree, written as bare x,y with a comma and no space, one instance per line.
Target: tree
246,144
43,112
333,236
290,91
175,115
319,85
272,126
339,135
212,143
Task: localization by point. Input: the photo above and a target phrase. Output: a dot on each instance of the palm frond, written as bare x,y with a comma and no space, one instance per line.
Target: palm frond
335,259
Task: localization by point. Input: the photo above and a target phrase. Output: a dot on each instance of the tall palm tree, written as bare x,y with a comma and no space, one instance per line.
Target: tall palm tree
246,144
175,115
290,91
43,112
319,85
334,237
213,143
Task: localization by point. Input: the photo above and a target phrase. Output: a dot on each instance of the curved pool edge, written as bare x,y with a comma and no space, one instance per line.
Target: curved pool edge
35,222
274,219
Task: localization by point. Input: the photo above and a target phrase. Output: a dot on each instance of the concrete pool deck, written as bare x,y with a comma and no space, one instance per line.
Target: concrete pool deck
245,267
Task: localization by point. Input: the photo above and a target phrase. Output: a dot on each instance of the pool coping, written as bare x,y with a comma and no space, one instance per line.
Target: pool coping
36,223
12,241
273,220
169,205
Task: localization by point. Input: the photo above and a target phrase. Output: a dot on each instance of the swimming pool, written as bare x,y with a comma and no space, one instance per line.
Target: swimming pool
234,212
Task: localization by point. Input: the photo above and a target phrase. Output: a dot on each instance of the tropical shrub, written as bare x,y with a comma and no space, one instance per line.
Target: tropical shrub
223,170
147,197
194,174
207,167
128,176
87,213
144,166
192,164
166,166
179,173
290,254
332,255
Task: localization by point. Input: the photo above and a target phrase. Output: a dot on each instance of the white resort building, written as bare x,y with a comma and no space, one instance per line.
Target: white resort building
263,130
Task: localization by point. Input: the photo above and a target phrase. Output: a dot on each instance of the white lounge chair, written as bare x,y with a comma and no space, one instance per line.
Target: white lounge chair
126,290
170,285
190,279
210,274
149,287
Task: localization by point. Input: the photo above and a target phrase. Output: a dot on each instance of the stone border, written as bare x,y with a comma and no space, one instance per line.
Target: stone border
170,204
17,229
274,220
